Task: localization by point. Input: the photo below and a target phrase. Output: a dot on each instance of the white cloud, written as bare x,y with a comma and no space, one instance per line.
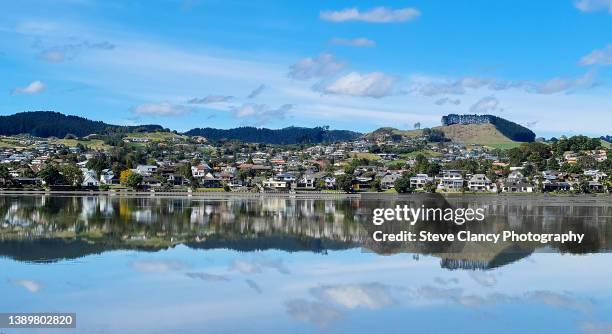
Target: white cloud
434,86
53,56
447,100
593,327
598,57
156,266
60,53
360,42
256,91
161,109
374,15
485,105
321,66
34,87
375,84
29,285
211,99
558,85
594,5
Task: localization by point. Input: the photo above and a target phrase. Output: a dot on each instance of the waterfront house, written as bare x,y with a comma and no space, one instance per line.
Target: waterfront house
307,181
90,178
200,170
146,170
480,182
516,186
273,184
420,180
451,180
388,181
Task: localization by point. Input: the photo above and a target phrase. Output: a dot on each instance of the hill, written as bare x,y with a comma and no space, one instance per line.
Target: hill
484,134
53,124
509,129
289,135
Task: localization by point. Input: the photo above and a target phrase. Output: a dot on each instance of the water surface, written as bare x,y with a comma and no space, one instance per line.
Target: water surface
287,265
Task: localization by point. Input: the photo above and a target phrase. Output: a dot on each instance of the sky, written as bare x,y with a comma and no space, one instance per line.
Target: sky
356,65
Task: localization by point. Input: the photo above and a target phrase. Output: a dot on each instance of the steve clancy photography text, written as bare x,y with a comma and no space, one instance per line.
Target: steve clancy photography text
411,216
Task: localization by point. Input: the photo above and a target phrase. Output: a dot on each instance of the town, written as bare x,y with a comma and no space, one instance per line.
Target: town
378,162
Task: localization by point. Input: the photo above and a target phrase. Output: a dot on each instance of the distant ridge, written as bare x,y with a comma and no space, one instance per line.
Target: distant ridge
289,135
55,124
509,129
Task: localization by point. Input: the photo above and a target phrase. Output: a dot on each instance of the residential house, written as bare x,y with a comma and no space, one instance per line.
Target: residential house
273,184
388,181
480,182
90,178
451,180
307,181
516,186
146,170
200,170
420,181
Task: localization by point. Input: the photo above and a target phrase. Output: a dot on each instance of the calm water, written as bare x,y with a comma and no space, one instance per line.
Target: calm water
281,265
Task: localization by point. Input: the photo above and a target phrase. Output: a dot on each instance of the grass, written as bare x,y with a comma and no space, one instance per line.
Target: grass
368,156
426,153
209,190
482,134
96,144
504,146
156,136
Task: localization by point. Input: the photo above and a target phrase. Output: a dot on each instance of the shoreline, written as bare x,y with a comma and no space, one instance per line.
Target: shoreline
306,194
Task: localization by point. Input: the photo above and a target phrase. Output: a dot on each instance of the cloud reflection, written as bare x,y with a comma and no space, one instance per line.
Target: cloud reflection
29,285
157,266
208,277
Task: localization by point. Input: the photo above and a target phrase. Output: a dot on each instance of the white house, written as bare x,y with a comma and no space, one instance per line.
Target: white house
480,182
275,184
146,170
107,176
388,181
420,180
330,182
200,170
90,179
307,181
451,180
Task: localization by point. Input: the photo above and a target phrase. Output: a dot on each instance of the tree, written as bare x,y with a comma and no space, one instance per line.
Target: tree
377,183
5,176
134,180
97,164
345,183
51,175
430,187
123,177
402,184
552,164
72,174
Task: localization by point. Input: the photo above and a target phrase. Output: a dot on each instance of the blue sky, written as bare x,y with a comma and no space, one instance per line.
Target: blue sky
348,64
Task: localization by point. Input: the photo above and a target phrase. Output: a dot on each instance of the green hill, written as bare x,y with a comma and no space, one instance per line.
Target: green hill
482,134
53,124
289,135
